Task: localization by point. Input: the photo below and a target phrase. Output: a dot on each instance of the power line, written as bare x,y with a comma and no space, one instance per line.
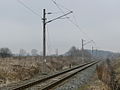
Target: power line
27,7
74,23
60,5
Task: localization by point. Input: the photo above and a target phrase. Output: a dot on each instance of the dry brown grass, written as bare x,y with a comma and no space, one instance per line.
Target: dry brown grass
94,84
107,75
17,69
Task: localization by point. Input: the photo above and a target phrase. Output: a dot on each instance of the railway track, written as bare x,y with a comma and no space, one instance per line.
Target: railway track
51,81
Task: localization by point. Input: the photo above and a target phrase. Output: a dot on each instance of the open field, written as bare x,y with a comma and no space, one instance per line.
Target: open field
17,69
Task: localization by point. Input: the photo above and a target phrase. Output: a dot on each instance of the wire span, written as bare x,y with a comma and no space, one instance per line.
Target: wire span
27,7
57,5
74,23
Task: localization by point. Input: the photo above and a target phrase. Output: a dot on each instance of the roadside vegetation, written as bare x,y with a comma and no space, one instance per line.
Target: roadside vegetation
16,68
24,66
107,76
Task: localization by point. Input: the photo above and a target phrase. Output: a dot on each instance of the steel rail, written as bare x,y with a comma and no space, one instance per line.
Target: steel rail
54,84
30,84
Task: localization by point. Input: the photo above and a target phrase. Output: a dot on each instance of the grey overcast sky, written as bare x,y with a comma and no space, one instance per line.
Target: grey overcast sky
99,19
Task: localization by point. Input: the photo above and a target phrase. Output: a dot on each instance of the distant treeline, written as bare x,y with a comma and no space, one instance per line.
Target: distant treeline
73,51
6,52
101,54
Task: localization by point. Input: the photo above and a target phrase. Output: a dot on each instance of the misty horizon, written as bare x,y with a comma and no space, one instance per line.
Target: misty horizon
98,21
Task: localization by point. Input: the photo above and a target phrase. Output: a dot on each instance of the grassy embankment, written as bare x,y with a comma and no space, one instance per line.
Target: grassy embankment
107,77
16,69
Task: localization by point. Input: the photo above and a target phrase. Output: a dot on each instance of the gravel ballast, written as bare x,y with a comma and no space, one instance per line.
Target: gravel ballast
78,80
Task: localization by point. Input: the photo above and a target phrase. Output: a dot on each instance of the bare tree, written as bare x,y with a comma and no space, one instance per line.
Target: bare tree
22,52
34,52
5,52
76,52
